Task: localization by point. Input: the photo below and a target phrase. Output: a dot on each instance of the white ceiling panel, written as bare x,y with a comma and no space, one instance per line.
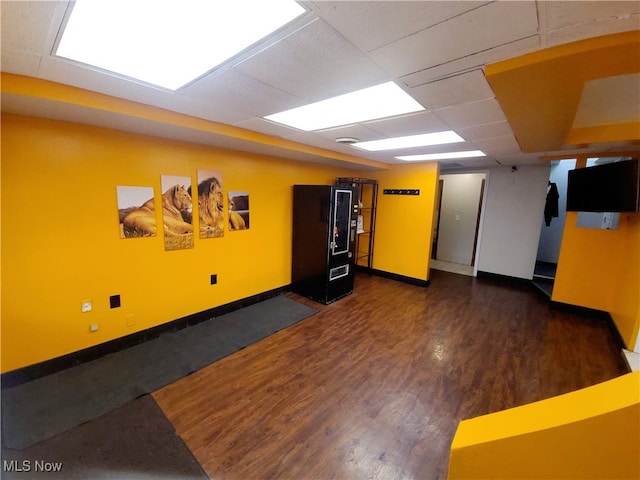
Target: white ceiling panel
472,62
314,63
564,14
22,64
373,24
315,140
594,28
361,132
465,165
470,114
423,122
25,25
500,145
486,131
609,100
455,90
455,38
233,90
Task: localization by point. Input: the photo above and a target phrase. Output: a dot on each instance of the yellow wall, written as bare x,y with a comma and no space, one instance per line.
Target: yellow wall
540,92
592,433
626,298
61,245
404,223
600,269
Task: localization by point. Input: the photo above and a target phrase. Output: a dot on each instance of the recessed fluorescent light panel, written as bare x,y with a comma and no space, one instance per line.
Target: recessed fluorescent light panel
424,140
168,43
380,101
443,156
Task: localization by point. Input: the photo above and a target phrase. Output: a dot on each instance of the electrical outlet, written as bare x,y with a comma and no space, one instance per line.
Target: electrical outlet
114,301
94,327
86,306
129,320
214,279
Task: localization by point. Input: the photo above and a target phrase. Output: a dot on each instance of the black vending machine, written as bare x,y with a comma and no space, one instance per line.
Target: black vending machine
324,234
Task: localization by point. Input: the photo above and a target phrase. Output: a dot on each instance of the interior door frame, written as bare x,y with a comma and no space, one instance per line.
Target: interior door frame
481,213
483,210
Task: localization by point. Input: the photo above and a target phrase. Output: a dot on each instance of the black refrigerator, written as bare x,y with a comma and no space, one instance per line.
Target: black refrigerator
324,234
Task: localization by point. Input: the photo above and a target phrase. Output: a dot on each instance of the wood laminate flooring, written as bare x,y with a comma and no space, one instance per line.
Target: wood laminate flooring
374,385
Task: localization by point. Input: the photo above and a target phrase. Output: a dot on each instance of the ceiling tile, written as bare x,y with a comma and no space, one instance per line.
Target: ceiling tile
455,90
358,131
457,37
20,62
311,138
472,62
232,90
478,165
609,100
594,28
423,122
25,25
500,145
471,114
486,131
571,21
370,25
565,14
314,63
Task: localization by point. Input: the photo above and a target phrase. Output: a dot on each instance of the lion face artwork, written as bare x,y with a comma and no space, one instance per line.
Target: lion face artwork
143,220
176,215
179,198
211,207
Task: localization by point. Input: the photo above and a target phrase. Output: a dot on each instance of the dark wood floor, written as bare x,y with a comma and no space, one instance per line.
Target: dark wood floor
374,385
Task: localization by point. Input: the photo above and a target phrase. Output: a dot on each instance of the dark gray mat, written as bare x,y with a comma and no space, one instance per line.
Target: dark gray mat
134,441
50,405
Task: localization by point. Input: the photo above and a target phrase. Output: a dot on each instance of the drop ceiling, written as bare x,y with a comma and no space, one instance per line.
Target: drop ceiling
437,51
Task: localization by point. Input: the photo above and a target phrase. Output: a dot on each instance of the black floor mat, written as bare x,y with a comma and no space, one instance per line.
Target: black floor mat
50,405
134,441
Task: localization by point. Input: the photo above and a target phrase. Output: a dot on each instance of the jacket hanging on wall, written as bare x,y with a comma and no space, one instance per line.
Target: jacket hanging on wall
551,204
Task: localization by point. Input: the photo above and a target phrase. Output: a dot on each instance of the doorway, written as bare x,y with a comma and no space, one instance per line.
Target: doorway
552,228
459,209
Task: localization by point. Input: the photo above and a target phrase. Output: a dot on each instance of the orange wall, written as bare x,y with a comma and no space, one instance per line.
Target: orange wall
600,269
592,433
61,245
404,223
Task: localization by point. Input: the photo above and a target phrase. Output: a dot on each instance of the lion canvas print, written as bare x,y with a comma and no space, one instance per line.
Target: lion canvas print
176,212
210,196
136,211
238,210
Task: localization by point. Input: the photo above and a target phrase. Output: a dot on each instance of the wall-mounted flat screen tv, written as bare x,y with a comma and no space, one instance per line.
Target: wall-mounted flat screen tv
612,187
